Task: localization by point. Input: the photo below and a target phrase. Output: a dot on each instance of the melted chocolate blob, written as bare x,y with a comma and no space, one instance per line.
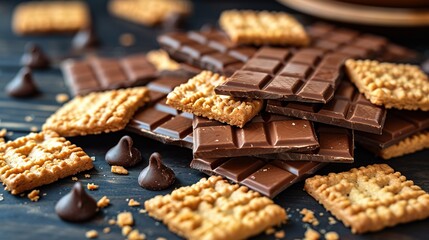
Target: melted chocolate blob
86,38
123,153
77,205
22,85
156,176
34,57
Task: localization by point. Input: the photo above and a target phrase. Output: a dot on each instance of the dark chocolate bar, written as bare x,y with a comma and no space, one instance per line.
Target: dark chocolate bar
263,135
269,177
207,49
159,121
399,125
336,145
348,109
98,74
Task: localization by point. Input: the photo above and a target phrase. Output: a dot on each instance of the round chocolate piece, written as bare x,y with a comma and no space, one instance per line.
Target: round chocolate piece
77,205
22,85
34,57
85,39
123,153
156,176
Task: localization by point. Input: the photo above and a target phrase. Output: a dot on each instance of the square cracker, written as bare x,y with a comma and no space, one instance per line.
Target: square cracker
409,145
400,86
214,209
149,12
97,112
49,16
38,159
263,27
370,198
197,96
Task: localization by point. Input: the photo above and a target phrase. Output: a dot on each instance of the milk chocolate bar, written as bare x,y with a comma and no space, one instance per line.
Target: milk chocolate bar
348,109
269,177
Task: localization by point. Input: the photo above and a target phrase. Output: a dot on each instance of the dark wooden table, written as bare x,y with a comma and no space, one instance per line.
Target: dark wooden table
22,219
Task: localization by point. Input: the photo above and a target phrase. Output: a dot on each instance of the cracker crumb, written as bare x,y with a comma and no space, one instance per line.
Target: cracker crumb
311,234
29,118
126,39
3,132
106,230
332,236
321,214
161,238
119,170
126,230
34,129
104,202
125,219
75,179
92,186
332,220
91,234
279,234
135,235
133,203
93,158
270,231
61,98
112,222
1,197
308,216
34,195
9,133
142,211
87,175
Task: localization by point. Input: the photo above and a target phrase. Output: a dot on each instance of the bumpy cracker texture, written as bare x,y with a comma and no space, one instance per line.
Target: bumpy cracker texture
370,198
400,86
214,209
50,16
197,96
161,60
149,12
263,27
97,112
38,159
409,145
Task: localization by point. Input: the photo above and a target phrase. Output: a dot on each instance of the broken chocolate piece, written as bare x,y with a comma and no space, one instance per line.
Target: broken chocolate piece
34,57
86,38
156,176
123,153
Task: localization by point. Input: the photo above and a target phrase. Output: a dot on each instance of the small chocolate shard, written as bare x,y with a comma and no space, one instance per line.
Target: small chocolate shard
86,38
34,57
123,153
156,176
77,205
22,85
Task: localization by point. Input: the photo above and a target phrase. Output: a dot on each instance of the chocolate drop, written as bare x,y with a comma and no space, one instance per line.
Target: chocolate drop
77,205
156,176
34,57
86,38
22,85
123,153
173,22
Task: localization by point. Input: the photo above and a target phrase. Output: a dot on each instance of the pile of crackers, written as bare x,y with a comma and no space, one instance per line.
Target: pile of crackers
263,102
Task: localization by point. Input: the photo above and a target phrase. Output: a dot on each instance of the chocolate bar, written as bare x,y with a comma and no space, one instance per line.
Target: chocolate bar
207,49
336,145
98,74
159,121
348,109
264,134
399,125
269,177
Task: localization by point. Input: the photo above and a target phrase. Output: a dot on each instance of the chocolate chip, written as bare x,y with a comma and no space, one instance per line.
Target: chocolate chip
22,85
425,66
34,57
86,38
156,176
77,205
123,153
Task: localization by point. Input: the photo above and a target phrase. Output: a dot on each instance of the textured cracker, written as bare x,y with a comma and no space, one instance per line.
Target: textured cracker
50,16
409,145
148,12
370,198
38,159
197,96
214,209
161,60
400,86
97,112
263,27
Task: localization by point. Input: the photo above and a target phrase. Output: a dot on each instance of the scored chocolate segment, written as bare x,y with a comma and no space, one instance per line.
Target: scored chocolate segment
264,134
207,49
269,177
348,109
399,125
98,74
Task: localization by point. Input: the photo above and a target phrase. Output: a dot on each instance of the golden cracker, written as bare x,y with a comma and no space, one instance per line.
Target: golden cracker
50,16
409,145
214,209
197,96
97,112
400,86
263,27
38,159
370,198
161,60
